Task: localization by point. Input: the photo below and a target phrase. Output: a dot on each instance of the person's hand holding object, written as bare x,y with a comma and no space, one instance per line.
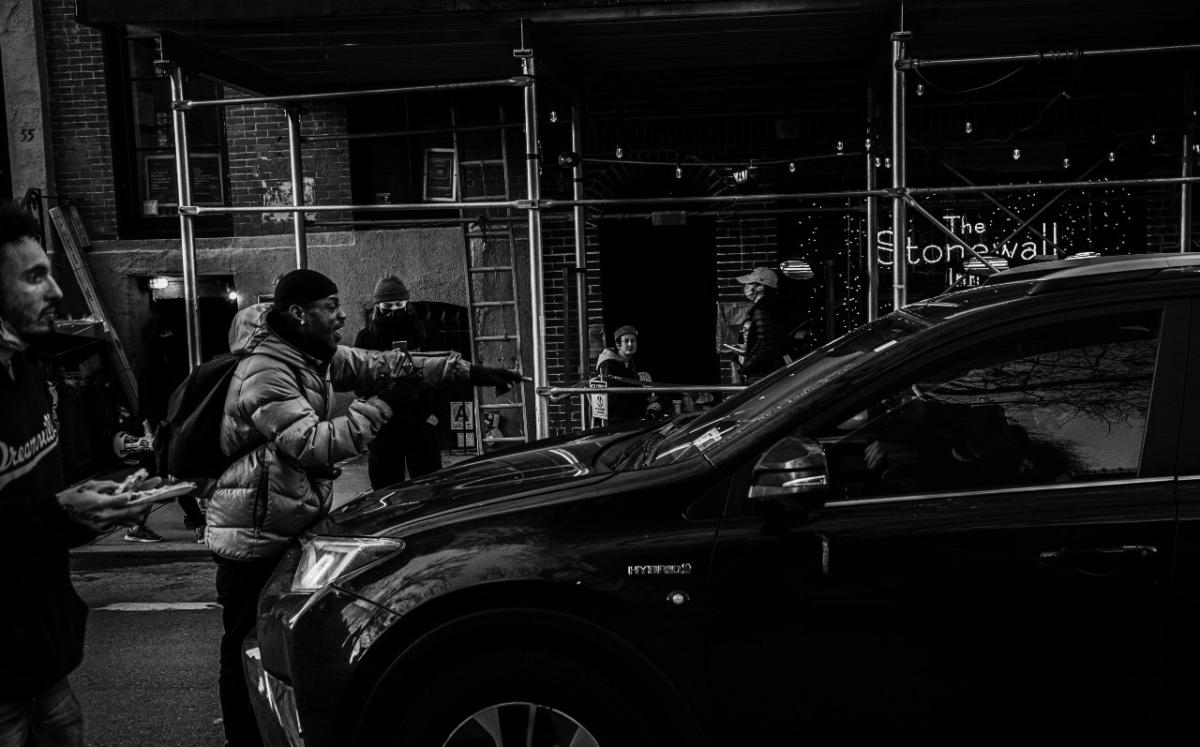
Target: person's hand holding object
97,505
501,378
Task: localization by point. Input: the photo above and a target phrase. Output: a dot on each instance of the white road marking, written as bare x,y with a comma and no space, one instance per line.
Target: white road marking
158,606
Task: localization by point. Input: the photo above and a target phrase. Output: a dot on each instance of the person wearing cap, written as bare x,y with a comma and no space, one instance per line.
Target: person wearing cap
617,366
765,336
410,439
278,406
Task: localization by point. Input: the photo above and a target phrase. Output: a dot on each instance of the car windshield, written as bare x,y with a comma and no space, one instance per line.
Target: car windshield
785,389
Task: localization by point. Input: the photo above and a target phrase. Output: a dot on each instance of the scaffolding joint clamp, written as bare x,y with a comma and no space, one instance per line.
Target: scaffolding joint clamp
529,204
189,210
523,53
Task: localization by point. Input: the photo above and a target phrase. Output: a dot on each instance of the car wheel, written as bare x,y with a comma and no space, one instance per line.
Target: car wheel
519,697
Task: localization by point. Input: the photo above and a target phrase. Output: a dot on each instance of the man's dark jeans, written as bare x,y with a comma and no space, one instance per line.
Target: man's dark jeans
53,719
238,585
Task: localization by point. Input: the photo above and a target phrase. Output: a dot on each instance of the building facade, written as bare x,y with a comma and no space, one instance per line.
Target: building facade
741,106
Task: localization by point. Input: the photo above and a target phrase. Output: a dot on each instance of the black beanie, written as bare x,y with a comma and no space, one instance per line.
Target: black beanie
390,288
302,287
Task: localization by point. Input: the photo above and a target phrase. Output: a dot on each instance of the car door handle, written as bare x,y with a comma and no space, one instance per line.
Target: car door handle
1099,560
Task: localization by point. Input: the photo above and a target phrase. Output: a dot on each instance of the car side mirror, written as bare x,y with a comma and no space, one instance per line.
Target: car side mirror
792,473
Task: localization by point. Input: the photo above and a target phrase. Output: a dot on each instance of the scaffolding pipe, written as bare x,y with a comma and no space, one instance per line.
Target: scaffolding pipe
847,194
899,172
1185,189
533,187
555,391
553,204
577,212
872,207
1043,186
301,241
406,133
187,236
1040,57
297,97
377,208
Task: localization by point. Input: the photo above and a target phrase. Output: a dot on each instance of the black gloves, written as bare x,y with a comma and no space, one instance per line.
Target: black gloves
501,378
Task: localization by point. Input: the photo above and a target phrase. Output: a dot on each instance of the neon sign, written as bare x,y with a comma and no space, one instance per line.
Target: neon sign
953,252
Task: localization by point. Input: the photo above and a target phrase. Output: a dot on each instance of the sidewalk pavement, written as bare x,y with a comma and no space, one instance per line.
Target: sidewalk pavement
167,519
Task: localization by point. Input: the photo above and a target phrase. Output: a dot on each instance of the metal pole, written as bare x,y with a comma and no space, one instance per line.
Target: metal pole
1185,189
554,391
872,228
1044,186
537,299
1040,57
187,237
293,120
554,204
401,133
370,207
581,305
296,97
899,175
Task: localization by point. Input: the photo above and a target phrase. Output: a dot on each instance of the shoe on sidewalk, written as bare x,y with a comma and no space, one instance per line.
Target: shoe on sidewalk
142,534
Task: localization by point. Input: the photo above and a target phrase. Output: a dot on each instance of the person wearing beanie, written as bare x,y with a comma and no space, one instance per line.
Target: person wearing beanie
409,441
765,336
618,368
390,290
277,418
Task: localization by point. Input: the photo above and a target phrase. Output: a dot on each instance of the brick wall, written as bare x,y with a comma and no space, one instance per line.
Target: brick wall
259,162
79,118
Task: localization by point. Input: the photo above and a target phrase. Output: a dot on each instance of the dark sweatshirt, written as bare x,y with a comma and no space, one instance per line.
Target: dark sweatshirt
41,618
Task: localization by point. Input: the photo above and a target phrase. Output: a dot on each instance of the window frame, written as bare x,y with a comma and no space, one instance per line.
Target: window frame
1159,440
127,176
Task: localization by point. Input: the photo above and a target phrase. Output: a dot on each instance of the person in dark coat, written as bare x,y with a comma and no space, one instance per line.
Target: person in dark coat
618,368
410,438
42,618
766,338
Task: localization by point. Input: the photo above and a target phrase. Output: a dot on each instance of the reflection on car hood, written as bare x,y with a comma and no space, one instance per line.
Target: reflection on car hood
473,484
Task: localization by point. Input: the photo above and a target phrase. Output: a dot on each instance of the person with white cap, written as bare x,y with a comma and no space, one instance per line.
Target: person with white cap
765,338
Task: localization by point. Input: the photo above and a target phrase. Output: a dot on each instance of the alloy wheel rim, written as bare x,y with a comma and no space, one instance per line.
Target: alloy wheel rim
520,724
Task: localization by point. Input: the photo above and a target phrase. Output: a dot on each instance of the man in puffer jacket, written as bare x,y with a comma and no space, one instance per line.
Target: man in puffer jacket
281,398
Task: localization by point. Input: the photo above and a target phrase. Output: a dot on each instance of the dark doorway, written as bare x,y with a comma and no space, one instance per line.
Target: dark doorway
215,315
663,280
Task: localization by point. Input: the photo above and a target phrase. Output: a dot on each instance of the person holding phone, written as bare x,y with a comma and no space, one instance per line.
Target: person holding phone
409,441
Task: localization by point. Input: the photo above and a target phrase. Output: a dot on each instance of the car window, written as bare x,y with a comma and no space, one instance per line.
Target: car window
786,389
1063,403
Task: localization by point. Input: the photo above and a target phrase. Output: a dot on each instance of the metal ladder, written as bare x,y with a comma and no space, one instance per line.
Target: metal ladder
494,318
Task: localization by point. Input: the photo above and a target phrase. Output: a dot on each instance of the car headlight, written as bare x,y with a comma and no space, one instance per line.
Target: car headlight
325,559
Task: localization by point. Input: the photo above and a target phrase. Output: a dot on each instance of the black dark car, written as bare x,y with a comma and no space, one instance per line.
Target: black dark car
975,518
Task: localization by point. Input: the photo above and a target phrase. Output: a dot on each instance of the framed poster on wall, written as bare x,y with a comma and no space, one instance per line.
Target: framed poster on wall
208,181
441,175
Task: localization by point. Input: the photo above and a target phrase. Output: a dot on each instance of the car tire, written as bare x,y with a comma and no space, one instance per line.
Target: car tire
520,697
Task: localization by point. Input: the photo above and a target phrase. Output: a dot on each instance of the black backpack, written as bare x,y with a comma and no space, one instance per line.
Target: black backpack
187,445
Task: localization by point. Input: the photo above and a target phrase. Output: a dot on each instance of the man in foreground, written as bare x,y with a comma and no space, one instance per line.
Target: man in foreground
42,620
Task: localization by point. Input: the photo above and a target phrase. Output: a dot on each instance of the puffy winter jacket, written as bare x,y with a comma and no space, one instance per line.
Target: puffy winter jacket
282,397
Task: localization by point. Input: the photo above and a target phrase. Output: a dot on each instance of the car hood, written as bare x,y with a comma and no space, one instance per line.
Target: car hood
536,472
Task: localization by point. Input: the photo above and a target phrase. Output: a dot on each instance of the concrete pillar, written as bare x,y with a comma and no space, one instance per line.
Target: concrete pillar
26,98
